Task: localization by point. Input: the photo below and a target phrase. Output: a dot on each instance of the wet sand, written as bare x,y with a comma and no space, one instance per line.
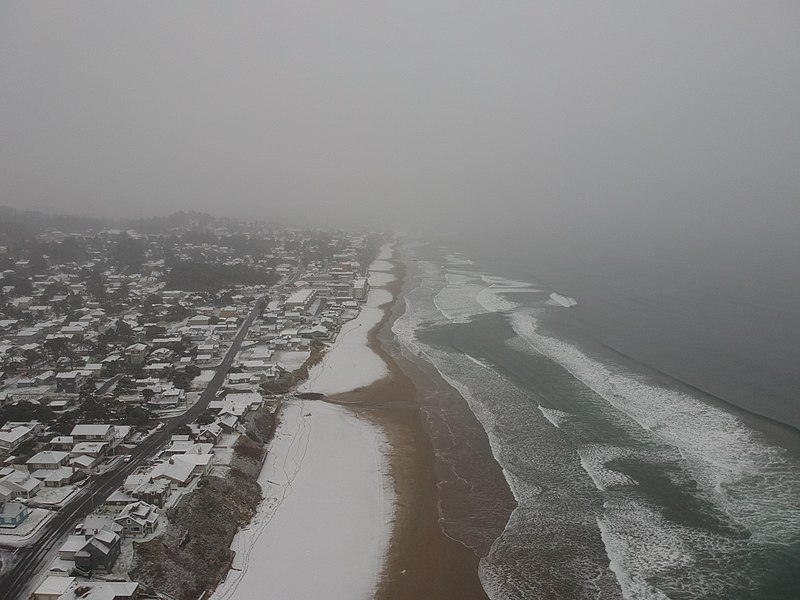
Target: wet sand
422,561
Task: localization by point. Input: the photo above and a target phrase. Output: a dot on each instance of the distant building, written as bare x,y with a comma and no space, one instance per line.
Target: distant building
300,300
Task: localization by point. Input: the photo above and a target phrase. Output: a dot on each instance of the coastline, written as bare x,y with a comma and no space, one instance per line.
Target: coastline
404,474
422,560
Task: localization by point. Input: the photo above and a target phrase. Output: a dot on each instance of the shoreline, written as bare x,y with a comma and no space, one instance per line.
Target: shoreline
422,560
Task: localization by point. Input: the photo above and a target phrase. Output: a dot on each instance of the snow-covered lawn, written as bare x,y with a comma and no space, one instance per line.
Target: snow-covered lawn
223,450
291,359
323,529
205,376
54,495
20,535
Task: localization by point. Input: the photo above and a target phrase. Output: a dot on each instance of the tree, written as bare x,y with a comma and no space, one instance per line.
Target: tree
154,331
95,285
123,330
205,418
129,252
181,381
58,347
25,411
38,263
125,385
137,416
32,356
23,286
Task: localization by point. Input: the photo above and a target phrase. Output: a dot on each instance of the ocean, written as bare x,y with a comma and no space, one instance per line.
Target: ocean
645,421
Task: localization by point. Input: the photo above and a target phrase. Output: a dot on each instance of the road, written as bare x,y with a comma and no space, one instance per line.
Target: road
17,579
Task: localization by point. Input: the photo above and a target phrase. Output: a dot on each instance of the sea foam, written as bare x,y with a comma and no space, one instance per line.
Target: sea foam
751,481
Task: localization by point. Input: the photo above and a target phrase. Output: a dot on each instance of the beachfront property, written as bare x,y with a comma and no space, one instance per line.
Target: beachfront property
301,300
138,519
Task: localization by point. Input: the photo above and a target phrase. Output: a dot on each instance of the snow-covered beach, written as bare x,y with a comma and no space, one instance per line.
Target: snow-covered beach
350,363
324,527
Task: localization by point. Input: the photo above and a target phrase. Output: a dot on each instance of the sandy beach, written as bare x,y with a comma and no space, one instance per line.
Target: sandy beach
422,562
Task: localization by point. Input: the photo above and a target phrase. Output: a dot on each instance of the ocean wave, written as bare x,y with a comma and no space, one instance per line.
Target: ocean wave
555,416
559,300
595,459
754,483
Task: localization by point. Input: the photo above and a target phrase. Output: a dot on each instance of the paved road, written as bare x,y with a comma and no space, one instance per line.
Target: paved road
19,577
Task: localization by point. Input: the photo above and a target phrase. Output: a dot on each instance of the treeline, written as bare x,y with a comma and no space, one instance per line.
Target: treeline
209,277
17,225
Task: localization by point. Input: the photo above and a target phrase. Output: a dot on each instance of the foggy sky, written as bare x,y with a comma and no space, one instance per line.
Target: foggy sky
560,118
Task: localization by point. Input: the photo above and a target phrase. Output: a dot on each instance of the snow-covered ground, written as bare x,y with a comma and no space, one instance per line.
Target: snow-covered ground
348,363
205,376
380,278
385,253
55,495
378,297
291,359
24,532
324,526
381,265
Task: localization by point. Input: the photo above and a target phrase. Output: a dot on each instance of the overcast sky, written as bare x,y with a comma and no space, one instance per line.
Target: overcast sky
552,115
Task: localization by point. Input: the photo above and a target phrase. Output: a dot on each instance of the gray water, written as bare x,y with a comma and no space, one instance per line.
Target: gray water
628,482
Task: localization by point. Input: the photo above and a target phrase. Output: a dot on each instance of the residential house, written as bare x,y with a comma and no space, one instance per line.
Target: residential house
47,459
10,440
93,433
62,442
155,492
12,514
18,484
99,553
136,354
200,463
70,382
53,587
178,473
55,477
209,434
138,519
119,500
102,590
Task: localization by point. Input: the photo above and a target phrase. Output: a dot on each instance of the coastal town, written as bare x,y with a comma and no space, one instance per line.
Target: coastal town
141,369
